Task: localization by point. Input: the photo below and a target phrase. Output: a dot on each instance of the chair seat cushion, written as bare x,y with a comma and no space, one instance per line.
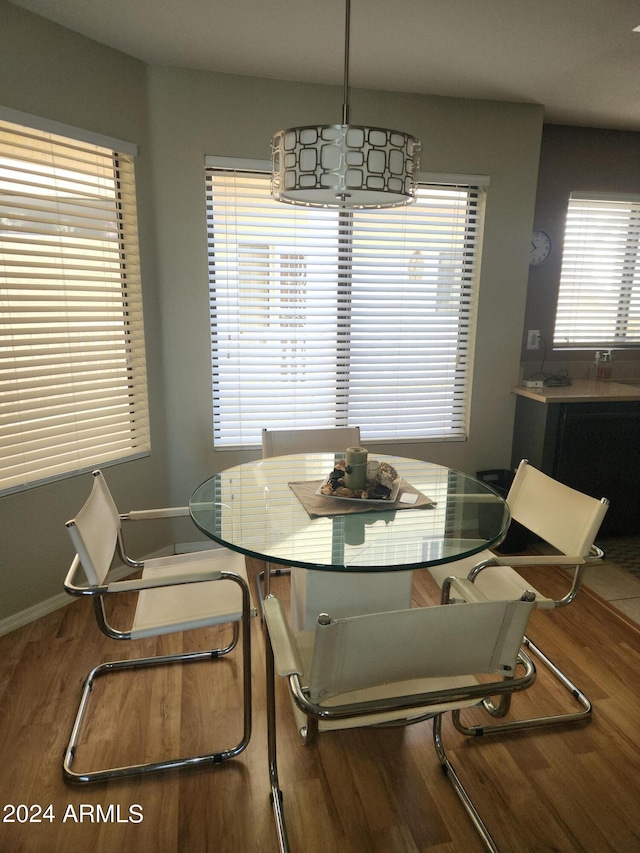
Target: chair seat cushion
497,583
195,605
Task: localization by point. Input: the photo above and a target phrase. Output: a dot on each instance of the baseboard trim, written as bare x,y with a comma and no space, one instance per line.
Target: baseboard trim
43,608
24,617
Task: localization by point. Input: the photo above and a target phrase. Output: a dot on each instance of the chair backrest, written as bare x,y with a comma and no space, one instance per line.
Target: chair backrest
281,441
360,652
94,531
565,518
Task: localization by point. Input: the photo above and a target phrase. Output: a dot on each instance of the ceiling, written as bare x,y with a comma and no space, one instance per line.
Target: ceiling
579,58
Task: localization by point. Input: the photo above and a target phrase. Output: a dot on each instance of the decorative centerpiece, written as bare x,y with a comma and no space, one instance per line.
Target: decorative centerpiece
380,482
355,471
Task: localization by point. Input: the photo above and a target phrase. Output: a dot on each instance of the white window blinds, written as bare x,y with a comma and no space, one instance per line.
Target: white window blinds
326,318
599,295
72,364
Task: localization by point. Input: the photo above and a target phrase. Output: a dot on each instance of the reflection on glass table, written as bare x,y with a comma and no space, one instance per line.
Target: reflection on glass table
251,508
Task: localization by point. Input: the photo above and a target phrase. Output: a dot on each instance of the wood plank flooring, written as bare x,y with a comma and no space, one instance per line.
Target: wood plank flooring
366,791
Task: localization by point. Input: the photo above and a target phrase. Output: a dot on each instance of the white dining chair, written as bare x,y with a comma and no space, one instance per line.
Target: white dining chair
560,517
394,667
343,594
278,442
176,593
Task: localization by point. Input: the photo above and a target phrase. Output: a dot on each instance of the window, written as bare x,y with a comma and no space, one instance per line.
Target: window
599,296
72,365
328,318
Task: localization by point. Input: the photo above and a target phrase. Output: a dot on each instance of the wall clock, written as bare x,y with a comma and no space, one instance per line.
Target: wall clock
540,248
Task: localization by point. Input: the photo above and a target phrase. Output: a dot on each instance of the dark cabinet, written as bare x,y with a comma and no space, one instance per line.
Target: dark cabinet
593,447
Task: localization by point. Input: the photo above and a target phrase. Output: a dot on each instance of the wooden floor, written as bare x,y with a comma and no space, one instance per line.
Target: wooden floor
571,789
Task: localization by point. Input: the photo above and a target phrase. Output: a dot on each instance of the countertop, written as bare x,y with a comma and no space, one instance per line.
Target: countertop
583,391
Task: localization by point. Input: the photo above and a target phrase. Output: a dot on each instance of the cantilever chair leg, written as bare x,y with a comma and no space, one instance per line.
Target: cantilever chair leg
276,791
567,522
175,594
452,776
502,707
498,635
139,663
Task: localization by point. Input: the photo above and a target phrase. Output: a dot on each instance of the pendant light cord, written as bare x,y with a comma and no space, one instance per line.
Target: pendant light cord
345,98
338,167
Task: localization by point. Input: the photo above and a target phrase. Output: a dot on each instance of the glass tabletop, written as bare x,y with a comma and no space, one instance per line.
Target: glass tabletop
253,508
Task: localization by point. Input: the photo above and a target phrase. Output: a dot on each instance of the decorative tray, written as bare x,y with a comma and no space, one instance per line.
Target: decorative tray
393,496
382,487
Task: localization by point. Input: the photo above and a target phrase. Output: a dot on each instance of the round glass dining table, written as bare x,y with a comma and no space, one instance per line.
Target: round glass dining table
271,509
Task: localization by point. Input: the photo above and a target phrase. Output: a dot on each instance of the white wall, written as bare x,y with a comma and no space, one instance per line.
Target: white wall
197,113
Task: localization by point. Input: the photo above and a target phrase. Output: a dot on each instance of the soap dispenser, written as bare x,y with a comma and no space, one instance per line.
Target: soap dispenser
604,369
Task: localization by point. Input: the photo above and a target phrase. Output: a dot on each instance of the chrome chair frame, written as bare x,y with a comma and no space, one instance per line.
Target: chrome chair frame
98,593
316,712
504,706
501,709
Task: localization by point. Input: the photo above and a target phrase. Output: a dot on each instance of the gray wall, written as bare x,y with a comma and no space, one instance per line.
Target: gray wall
574,159
177,117
48,71
194,114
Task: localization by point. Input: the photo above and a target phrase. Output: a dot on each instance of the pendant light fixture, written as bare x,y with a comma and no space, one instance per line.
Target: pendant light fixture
344,165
